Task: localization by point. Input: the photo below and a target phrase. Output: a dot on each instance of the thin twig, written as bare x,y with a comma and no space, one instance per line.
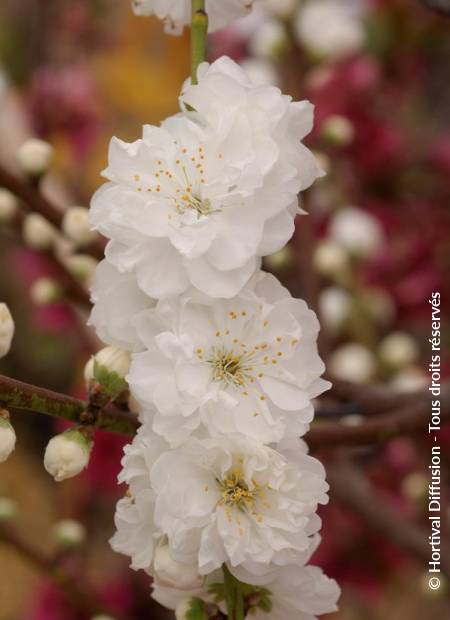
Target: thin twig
34,200
23,396
407,420
79,597
354,490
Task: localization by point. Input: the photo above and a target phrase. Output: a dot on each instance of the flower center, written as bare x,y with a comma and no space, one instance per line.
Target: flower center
229,367
235,491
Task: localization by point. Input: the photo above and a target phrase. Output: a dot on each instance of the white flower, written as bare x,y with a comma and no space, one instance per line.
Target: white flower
7,437
38,233
330,28
67,454
217,500
8,206
357,231
34,156
300,592
116,300
169,572
177,13
6,329
199,199
76,226
352,362
246,365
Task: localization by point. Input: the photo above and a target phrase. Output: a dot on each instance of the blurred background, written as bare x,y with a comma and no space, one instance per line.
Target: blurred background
373,248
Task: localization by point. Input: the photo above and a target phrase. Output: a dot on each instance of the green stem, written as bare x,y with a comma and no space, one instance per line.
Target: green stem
199,31
233,596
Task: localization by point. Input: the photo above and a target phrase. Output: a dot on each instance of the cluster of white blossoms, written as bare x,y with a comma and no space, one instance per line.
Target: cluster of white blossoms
224,362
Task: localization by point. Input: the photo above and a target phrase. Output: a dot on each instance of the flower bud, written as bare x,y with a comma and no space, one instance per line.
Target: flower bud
89,371
6,330
7,436
114,360
76,226
45,291
69,533
269,40
8,206
409,379
282,259
81,266
357,231
352,362
280,8
183,608
8,509
334,307
170,573
34,157
102,617
337,130
67,454
330,259
38,233
398,350
415,486
379,305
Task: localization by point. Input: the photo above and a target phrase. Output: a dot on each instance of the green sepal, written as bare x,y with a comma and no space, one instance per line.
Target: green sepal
197,610
111,383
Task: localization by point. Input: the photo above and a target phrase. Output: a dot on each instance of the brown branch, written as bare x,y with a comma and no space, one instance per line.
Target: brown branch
79,598
34,200
23,396
352,488
407,420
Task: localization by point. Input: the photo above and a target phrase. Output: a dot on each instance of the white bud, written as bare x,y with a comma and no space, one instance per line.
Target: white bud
34,157
76,226
268,40
398,350
323,161
8,206
38,233
281,259
6,330
415,486
45,291
409,379
133,405
115,360
102,617
334,307
352,362
337,130
379,304
69,533
7,437
260,72
170,573
81,266
330,259
67,454
8,509
183,607
89,371
280,8
357,231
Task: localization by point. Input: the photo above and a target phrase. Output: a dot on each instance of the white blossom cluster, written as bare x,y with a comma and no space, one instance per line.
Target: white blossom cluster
224,362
